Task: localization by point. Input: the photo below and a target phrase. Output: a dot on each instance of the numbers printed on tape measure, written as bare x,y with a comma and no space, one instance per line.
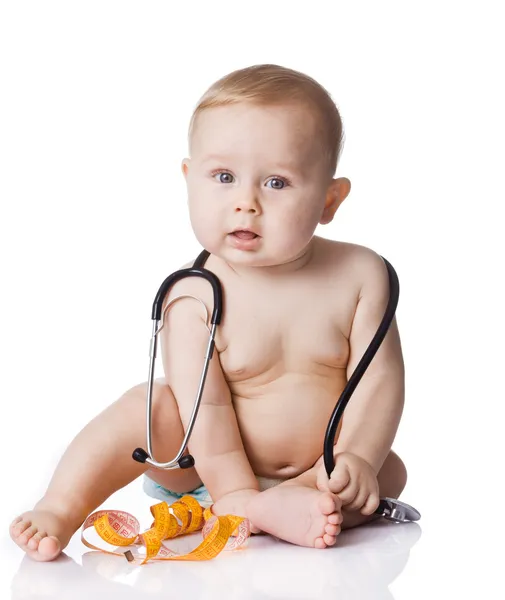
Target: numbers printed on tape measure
183,517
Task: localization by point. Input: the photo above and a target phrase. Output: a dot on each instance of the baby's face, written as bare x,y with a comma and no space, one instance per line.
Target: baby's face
258,168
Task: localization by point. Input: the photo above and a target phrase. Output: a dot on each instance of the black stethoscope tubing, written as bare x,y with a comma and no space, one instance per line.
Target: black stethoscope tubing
388,507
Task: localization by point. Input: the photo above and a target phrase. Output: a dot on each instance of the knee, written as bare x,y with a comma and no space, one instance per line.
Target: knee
162,399
164,405
400,473
165,422
393,476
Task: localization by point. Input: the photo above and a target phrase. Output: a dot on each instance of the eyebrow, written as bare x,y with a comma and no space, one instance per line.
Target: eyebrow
215,157
288,166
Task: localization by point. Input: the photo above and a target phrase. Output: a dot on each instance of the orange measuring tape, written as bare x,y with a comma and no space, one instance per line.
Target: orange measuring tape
183,517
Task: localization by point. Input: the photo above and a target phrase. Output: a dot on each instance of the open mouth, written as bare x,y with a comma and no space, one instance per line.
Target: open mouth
245,235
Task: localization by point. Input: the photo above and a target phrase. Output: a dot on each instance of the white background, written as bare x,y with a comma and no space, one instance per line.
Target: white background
95,101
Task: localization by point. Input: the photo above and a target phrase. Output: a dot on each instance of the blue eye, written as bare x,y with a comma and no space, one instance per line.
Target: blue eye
278,183
277,187
224,177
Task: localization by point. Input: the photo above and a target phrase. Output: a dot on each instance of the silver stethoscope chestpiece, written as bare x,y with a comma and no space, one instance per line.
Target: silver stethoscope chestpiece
399,512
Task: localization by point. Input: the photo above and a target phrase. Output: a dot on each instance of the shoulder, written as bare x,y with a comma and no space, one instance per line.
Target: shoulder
356,256
359,264
369,266
190,287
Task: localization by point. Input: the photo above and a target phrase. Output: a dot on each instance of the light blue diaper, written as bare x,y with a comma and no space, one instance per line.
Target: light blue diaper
153,489
200,494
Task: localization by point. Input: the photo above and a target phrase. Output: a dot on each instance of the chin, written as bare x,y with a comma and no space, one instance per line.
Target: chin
252,259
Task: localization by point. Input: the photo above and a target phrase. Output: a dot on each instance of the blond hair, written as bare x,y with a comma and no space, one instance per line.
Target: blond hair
269,84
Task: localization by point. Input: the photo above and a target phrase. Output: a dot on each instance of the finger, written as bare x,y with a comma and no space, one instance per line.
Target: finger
371,504
340,478
349,493
360,499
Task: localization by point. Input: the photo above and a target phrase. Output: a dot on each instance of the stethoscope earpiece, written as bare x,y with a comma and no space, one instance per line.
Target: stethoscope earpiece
186,462
140,455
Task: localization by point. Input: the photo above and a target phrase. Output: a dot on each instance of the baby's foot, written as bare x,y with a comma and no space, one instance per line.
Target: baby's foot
298,514
235,504
41,534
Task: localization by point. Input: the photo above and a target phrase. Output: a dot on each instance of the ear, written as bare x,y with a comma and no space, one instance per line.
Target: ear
185,166
337,192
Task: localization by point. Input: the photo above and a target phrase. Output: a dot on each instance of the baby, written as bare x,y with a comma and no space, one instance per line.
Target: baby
299,311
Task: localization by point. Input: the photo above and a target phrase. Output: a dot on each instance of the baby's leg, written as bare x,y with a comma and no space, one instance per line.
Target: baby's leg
298,512
99,462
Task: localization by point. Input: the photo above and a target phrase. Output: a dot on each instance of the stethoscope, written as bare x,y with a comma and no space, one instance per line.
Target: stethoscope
389,508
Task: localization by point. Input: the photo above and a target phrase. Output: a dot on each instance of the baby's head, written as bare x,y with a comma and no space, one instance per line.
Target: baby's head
264,144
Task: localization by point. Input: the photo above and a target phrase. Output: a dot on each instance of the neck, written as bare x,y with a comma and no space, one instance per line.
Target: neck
265,273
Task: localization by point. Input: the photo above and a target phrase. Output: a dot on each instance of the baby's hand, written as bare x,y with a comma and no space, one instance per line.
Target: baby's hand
354,482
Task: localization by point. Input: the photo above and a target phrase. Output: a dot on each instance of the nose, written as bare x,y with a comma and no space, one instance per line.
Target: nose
247,202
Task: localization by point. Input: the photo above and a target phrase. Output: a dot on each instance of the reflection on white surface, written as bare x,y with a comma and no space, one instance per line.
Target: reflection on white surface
363,565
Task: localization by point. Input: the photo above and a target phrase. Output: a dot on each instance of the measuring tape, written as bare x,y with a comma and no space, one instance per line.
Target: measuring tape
183,517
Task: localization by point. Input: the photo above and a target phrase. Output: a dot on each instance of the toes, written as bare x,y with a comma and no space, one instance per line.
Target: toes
28,534
325,541
20,527
49,548
319,543
335,518
37,544
326,504
332,529
33,543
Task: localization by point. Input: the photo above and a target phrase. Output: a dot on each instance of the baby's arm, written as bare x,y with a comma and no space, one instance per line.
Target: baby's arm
372,417
215,442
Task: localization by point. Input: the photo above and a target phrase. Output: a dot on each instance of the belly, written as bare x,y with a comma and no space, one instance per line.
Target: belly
283,430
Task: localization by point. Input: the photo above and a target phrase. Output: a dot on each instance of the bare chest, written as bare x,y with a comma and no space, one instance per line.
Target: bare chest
266,335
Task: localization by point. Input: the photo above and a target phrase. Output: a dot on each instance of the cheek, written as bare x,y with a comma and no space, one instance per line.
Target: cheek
301,220
206,222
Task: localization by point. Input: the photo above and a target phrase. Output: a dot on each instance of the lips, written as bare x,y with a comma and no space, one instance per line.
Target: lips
244,239
244,234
